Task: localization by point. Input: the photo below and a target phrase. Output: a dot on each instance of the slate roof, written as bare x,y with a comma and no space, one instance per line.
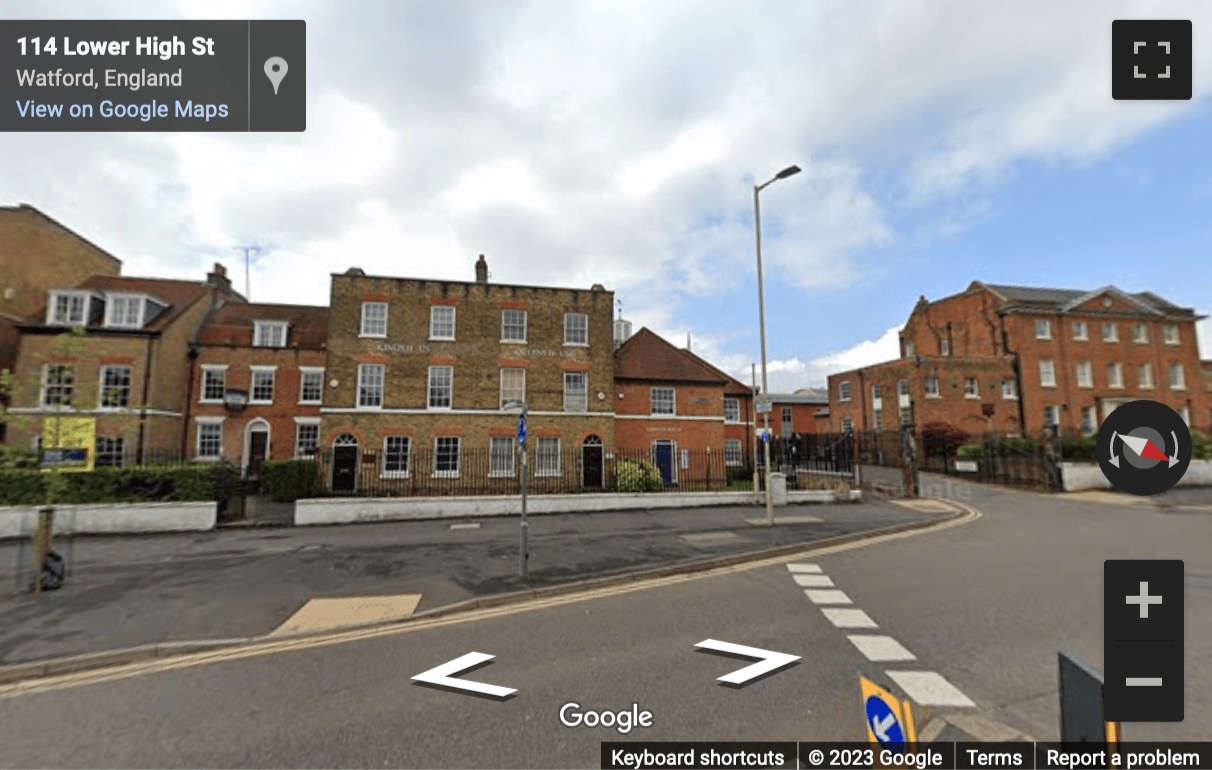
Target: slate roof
177,295
1050,298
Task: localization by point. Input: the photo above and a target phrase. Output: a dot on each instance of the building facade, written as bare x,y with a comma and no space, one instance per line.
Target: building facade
256,384
1030,360
795,414
115,349
426,377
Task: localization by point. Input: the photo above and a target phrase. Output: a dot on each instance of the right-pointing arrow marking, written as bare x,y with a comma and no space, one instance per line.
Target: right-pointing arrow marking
768,660
443,676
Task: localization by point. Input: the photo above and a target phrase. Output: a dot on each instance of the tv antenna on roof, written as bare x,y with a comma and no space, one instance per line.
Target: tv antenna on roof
248,251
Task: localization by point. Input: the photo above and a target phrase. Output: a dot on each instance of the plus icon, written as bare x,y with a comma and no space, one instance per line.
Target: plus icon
1144,600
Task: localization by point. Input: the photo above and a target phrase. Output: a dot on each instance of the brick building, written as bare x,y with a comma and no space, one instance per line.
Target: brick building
422,375
114,348
1022,360
796,413
257,384
689,417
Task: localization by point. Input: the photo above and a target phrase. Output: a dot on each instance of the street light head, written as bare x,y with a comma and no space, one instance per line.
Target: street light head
789,171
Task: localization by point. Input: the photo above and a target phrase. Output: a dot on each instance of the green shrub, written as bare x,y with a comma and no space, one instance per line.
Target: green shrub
970,452
1022,445
15,457
1201,446
289,480
638,476
197,481
1079,448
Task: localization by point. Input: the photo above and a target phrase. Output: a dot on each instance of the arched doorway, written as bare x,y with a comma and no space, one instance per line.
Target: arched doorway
591,463
345,463
256,446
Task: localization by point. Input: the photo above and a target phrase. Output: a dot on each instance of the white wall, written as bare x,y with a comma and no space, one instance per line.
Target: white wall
1080,476
20,521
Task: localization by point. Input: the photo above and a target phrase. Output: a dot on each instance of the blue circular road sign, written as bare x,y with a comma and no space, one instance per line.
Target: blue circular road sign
883,722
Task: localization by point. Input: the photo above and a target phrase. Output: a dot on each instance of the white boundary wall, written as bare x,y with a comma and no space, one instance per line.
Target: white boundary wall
1077,477
116,518
336,510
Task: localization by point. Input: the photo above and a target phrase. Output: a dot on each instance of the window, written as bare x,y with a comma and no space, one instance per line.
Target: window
902,387
944,347
307,439
124,311
1110,332
109,452
115,387
547,457
972,388
370,386
58,381
910,350
395,456
1081,331
1009,389
662,401
1115,375
1177,379
374,319
513,326
732,452
786,420
576,329
262,391
877,392
269,334
877,419
843,390
1089,421
441,387
847,425
1144,375
500,457
311,385
214,383
1043,329
1171,334
576,391
446,456
1051,416
732,409
931,386
513,386
442,322
210,440
1085,374
1140,333
906,416
67,308
1185,413
1047,374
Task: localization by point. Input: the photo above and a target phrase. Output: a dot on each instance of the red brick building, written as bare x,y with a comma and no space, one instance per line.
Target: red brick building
256,384
1023,360
796,413
680,410
116,349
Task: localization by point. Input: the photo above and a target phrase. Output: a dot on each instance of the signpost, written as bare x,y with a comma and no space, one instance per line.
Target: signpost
889,720
523,546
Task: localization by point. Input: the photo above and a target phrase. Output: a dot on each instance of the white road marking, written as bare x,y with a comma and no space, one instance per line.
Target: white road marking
827,597
881,648
848,618
813,581
474,525
812,568
929,688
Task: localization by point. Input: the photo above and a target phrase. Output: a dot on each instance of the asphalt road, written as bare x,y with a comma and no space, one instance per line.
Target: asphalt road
982,607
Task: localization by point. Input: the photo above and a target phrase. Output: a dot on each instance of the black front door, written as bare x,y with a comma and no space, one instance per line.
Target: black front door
344,468
591,466
258,446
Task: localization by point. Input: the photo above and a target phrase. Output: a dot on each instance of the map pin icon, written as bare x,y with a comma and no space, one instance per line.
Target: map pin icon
275,70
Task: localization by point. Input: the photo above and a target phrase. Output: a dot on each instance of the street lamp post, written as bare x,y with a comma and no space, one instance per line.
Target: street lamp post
757,230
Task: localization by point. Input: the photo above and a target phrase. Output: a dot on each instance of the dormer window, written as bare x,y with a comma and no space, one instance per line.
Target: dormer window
269,334
68,308
125,310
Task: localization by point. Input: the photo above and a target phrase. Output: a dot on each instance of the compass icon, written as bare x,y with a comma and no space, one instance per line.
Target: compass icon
1144,448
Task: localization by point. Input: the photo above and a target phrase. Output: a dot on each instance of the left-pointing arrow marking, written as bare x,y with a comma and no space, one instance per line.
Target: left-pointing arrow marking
768,661
443,676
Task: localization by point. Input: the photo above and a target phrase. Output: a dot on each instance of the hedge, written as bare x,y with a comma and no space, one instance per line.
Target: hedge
289,480
146,484
638,476
1079,448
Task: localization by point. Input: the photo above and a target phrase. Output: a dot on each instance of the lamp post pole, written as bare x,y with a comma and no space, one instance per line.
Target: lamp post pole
757,231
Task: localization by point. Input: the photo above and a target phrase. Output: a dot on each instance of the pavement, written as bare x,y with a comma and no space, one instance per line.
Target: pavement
128,592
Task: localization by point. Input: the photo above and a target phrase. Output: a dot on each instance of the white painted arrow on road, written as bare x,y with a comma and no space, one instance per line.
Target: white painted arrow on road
768,661
443,676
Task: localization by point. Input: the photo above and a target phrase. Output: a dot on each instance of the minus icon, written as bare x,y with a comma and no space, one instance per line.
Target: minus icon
1143,681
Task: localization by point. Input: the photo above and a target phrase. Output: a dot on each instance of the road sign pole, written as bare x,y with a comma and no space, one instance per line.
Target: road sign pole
523,547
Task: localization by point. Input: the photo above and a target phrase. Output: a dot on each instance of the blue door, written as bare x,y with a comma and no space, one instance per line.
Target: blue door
664,461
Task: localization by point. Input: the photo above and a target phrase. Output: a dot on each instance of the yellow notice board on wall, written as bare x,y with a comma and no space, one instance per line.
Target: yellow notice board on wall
68,443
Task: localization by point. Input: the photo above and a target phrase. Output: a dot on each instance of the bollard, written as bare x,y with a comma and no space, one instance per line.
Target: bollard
43,536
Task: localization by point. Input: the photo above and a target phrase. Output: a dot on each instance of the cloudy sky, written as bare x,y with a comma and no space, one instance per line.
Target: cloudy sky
618,142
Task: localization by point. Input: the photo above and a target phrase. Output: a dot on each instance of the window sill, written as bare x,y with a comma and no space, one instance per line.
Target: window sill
548,475
972,397
1178,387
441,339
501,475
311,403
931,395
445,475
662,414
1009,398
513,342
439,408
576,344
208,459
251,402
395,475
210,401
363,336
311,456
1081,339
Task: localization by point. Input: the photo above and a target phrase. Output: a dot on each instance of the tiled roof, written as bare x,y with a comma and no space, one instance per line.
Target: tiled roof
732,386
177,295
646,356
232,324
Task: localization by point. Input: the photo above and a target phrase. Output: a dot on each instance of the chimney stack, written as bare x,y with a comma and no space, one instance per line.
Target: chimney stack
218,278
481,270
